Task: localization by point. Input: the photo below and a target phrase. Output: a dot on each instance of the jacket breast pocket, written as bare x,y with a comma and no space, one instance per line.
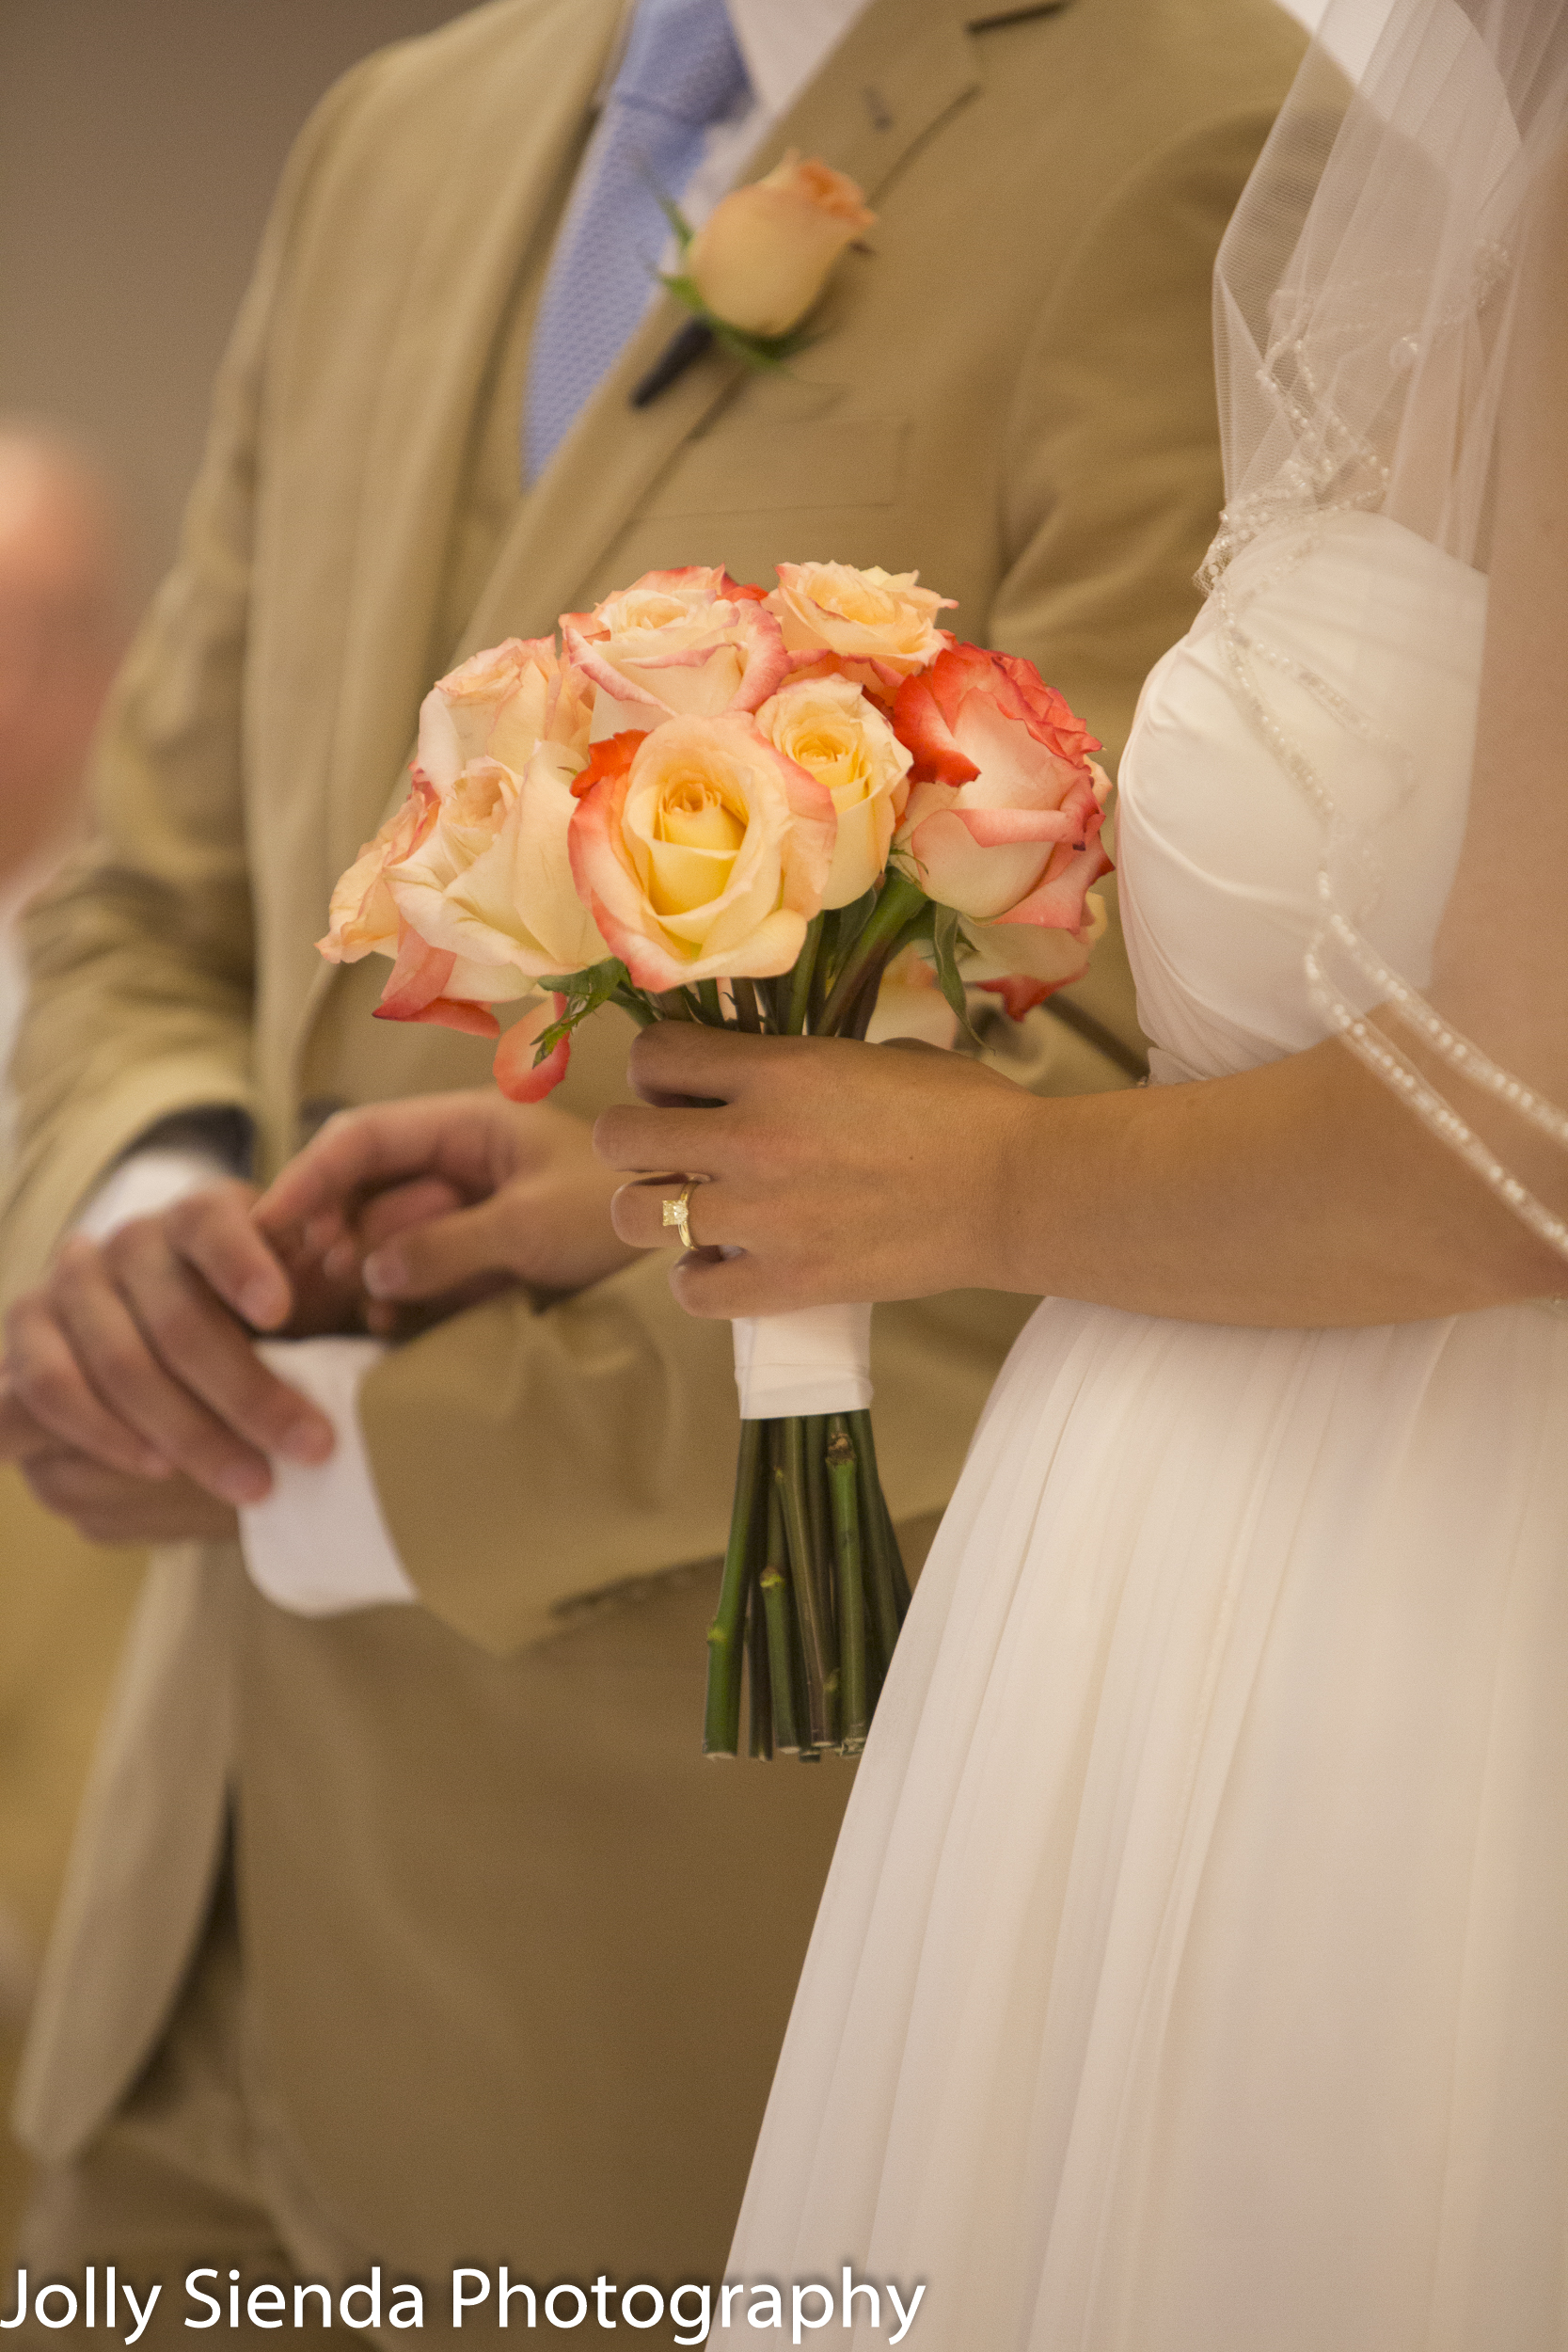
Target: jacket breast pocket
767,466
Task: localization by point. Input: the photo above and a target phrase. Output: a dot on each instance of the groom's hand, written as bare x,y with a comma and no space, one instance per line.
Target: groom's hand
438,1200
106,1505
138,1353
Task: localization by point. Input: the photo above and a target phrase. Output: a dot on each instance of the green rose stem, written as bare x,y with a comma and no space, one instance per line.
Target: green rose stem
722,1718
759,1696
826,956
711,1003
748,1014
816,1633
887,1586
633,1001
817,1519
773,1587
901,905
801,978
843,1484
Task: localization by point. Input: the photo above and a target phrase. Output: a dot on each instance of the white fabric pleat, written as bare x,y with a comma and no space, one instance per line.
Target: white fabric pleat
1189,1977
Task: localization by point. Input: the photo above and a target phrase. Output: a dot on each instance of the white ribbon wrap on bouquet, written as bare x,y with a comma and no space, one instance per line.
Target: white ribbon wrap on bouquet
816,1360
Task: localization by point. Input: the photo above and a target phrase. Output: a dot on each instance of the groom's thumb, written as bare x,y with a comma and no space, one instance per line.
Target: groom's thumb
428,1260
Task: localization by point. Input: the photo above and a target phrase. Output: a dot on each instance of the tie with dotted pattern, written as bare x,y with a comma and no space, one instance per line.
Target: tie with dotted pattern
682,72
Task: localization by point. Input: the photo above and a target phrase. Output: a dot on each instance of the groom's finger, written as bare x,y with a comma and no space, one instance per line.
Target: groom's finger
442,1254
365,1150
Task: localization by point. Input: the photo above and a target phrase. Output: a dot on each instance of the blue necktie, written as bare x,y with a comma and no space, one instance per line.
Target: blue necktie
682,71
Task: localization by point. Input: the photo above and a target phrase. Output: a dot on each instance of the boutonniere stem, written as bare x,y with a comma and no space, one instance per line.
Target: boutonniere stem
687,343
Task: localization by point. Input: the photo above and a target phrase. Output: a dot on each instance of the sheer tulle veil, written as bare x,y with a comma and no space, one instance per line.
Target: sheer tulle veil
1389,300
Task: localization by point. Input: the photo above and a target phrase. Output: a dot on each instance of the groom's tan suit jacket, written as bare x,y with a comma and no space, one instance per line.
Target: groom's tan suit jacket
518,1964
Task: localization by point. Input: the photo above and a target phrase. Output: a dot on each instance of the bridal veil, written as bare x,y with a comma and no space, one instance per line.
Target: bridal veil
1392,335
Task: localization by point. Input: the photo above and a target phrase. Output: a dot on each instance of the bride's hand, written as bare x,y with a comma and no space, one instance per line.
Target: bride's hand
833,1171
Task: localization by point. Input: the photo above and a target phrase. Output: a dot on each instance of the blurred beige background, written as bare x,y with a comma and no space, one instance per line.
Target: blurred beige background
139,143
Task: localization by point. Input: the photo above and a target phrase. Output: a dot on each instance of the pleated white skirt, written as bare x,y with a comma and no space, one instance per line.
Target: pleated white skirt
1193,1973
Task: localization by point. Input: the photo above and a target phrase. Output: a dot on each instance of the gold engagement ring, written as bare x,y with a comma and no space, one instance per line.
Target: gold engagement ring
675,1214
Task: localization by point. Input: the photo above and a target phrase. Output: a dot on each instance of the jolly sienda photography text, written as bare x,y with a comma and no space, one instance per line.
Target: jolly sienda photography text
106,2299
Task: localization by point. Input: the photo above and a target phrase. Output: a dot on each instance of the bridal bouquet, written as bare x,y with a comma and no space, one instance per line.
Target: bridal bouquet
718,803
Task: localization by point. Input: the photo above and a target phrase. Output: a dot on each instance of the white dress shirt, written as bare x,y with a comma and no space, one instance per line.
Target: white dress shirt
318,1544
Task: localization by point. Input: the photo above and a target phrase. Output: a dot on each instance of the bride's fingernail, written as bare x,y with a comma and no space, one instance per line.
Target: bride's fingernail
384,1274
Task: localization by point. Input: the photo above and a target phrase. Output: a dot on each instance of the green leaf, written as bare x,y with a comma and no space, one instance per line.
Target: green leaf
946,940
584,992
853,920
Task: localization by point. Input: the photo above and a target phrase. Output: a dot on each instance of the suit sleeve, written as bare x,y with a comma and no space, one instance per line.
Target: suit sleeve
141,953
1113,493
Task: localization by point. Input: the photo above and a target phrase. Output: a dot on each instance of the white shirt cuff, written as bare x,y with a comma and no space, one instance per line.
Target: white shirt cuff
319,1545
147,1182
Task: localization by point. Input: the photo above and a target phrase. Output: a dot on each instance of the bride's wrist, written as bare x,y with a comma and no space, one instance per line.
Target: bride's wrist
1006,1236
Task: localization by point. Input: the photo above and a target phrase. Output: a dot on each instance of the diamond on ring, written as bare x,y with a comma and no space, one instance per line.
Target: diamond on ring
676,1215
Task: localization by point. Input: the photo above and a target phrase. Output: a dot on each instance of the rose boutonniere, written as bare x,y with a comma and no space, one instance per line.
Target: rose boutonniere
758,266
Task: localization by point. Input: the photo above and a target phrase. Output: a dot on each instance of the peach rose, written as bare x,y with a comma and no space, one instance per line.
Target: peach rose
702,850
826,726
1004,818
686,643
884,619
764,253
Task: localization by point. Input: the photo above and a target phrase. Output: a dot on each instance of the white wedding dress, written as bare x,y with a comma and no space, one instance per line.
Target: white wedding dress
1193,1973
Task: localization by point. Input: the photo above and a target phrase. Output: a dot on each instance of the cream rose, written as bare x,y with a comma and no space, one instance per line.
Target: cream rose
686,643
362,917
403,896
764,253
491,882
702,850
884,618
497,705
826,726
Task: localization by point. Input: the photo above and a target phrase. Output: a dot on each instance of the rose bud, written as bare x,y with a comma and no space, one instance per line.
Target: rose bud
764,254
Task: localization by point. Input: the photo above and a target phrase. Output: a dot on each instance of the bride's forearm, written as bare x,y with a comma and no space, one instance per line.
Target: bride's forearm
1302,1193
1299,1193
